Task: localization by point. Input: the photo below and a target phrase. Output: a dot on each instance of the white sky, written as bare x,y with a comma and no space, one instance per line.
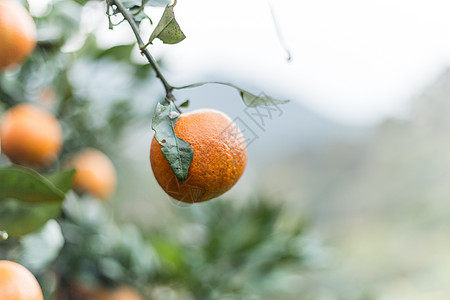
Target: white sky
353,60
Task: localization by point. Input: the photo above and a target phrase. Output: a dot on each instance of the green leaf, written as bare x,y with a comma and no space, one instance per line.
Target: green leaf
18,218
184,104
157,3
119,53
62,180
177,152
27,185
252,100
168,29
131,3
171,255
139,15
249,99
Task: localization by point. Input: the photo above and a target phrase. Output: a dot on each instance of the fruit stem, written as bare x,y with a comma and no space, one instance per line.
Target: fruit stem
126,14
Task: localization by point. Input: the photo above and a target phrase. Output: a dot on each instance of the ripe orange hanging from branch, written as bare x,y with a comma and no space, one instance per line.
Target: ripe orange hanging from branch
17,283
219,157
17,33
30,135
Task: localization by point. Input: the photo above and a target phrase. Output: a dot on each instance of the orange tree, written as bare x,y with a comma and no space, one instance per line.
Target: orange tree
57,132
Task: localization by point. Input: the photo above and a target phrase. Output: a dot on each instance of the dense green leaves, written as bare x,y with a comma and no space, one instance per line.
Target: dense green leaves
178,152
231,250
99,250
29,186
168,29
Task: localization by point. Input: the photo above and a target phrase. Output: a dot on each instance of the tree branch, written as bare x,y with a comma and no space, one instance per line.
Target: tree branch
126,14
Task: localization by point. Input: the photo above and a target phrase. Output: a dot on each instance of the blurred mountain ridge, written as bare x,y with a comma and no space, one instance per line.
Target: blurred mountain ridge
380,201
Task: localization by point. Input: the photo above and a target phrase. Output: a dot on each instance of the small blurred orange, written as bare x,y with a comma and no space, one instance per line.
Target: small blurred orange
17,33
121,293
30,136
17,283
95,173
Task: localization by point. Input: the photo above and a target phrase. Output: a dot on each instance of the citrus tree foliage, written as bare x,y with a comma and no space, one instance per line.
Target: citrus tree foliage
91,115
74,243
223,250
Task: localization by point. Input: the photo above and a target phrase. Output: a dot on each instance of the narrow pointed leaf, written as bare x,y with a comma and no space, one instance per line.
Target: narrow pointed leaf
252,100
177,151
168,29
63,180
27,185
184,104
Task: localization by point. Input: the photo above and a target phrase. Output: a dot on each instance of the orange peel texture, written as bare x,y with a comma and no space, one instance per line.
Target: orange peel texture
219,160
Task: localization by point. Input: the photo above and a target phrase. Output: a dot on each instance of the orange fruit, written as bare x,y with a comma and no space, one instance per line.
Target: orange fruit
30,135
77,290
121,293
219,158
17,283
17,33
95,173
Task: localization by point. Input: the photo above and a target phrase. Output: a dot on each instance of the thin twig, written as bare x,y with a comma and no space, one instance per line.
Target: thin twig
279,33
126,14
